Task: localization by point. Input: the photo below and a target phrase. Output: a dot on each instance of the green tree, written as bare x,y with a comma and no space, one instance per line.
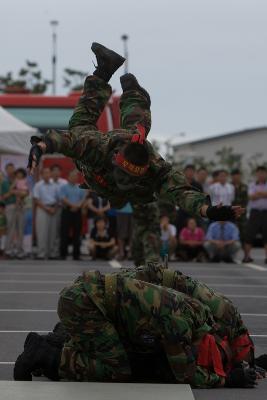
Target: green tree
73,79
29,79
228,159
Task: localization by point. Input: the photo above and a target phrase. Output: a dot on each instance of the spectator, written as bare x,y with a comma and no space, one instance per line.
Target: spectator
2,226
72,198
18,188
241,198
182,216
168,238
101,244
10,201
124,230
222,192
46,196
257,222
202,177
222,241
56,178
56,172
2,180
97,207
190,172
191,242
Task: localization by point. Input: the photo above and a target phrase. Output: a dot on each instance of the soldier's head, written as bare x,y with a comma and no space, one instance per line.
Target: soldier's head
130,164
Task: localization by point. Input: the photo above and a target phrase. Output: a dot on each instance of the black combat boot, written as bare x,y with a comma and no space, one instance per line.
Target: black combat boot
107,61
129,82
37,354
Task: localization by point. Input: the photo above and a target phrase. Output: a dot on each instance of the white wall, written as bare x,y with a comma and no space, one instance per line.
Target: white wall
246,143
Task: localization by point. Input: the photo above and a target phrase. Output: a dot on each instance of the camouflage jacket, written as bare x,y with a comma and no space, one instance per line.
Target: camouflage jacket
93,153
120,311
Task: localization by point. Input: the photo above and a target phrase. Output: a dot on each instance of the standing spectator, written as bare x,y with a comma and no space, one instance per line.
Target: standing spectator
46,197
97,207
222,192
18,190
124,230
191,242
2,226
72,198
101,244
168,237
241,198
190,172
202,177
222,241
257,222
9,199
56,178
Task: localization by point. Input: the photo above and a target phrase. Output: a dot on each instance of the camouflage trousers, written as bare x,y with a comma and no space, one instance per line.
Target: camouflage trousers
134,108
146,233
101,337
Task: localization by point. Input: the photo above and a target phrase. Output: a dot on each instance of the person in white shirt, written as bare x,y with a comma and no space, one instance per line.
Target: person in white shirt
222,192
46,196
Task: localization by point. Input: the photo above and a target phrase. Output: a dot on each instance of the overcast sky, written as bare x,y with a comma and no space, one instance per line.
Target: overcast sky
203,61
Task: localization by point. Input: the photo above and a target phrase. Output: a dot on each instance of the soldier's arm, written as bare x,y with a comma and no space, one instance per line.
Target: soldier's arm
177,190
90,147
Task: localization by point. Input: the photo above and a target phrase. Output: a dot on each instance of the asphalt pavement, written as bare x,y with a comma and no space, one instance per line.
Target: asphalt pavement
29,293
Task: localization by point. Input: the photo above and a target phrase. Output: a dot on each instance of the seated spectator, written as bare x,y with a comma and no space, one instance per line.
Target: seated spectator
2,226
222,241
168,238
101,244
96,206
191,240
72,198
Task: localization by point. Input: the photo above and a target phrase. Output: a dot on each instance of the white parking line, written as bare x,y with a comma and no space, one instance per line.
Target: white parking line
247,296
29,292
31,281
236,285
42,332
253,315
255,266
25,310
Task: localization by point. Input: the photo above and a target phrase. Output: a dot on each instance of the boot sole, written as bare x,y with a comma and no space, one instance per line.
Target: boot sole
99,49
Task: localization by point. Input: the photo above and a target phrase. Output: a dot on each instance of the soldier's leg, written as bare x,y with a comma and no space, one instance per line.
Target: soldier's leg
96,90
146,233
95,95
134,105
94,351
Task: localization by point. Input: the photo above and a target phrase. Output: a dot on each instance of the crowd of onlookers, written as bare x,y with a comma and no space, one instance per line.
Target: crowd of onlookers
54,218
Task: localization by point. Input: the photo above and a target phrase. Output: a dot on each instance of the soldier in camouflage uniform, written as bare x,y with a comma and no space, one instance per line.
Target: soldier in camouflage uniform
146,233
111,317
122,165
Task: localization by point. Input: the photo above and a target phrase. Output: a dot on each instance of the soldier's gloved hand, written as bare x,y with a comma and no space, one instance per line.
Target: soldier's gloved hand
242,378
221,213
36,152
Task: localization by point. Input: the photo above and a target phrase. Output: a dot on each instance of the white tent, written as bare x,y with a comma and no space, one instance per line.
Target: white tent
14,134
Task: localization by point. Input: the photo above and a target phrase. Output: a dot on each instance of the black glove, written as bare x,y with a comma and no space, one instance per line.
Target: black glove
242,378
223,213
261,361
35,151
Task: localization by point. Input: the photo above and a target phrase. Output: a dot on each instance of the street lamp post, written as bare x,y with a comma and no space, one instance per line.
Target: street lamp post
125,38
54,25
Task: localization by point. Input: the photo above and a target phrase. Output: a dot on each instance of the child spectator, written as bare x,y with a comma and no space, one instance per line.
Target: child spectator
101,244
168,237
2,226
191,240
20,186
